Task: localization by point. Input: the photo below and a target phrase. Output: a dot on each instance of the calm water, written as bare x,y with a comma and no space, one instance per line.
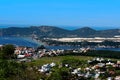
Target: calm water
32,43
18,41
62,47
72,47
109,49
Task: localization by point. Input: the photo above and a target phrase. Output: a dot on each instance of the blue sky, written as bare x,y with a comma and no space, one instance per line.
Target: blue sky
78,13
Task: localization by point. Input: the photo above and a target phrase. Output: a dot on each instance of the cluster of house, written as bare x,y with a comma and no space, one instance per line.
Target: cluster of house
99,67
46,68
96,68
82,50
45,52
27,52
58,52
23,52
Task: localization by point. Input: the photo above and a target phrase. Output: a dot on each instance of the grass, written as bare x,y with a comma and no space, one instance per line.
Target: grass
57,60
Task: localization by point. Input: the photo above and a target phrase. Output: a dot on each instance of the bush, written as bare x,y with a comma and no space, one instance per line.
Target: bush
8,51
71,62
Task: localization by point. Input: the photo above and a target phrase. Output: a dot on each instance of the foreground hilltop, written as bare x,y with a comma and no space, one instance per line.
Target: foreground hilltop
51,31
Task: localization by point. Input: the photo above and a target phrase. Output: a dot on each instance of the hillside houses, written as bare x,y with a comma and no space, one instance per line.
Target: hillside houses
97,69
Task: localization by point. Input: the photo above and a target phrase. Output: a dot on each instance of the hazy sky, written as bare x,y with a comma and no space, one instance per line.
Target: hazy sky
61,12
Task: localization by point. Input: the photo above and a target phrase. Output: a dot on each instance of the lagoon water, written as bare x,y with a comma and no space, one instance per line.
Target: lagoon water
32,43
109,49
18,41
75,47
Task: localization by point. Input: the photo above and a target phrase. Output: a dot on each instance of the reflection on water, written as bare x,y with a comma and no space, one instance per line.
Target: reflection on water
18,41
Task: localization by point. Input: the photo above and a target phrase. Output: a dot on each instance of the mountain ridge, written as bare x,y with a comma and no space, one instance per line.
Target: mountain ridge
53,31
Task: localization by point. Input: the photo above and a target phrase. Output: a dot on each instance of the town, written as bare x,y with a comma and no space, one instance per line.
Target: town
97,68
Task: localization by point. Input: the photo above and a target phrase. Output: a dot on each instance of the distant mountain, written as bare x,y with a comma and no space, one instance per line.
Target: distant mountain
42,31
51,31
109,33
85,32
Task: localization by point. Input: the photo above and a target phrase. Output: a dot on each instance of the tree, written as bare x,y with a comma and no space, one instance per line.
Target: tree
8,51
10,70
72,62
41,47
59,74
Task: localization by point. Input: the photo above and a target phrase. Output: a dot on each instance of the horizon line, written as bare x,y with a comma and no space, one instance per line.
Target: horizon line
63,27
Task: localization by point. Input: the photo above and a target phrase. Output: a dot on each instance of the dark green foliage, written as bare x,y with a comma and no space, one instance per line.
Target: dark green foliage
59,74
118,72
41,47
72,62
9,68
8,51
98,53
103,53
55,76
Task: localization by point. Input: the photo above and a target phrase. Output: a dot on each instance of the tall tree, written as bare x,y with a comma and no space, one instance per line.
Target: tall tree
8,51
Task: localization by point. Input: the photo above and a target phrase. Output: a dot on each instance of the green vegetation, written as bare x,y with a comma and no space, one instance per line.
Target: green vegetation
96,53
57,60
63,73
103,53
10,69
8,51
